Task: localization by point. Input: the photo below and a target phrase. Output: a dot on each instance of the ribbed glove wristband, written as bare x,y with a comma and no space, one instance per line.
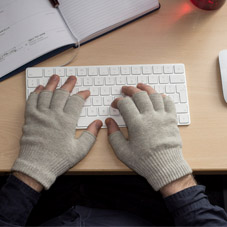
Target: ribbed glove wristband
153,148
48,144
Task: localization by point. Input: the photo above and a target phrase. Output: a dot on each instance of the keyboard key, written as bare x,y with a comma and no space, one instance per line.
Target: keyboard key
164,79
121,80
132,80
110,80
175,97
181,87
157,69
88,81
116,90
183,96
114,70
147,69
48,72
32,82
107,100
97,101
99,81
35,72
160,88
81,71
168,69
153,79
142,79
85,121
125,70
174,79
103,111
136,70
94,91
60,71
92,111
70,72
170,88
181,108
104,71
105,91
92,71
184,119
179,69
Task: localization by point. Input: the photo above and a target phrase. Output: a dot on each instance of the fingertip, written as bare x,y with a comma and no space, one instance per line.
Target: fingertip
111,126
114,103
84,94
94,127
39,89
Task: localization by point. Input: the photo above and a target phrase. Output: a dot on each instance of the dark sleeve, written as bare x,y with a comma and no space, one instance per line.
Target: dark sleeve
191,207
16,202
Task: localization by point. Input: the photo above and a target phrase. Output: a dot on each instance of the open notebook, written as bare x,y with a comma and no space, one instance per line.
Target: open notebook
32,30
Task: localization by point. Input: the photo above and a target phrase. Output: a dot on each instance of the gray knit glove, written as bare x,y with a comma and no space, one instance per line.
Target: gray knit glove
48,144
153,148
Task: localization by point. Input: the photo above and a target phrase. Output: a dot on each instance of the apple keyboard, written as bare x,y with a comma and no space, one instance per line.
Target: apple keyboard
105,83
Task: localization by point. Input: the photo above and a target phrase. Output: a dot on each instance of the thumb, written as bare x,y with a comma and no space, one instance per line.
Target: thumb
88,137
117,139
111,126
94,127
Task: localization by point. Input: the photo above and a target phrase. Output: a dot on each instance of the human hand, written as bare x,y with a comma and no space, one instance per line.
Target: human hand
153,148
48,145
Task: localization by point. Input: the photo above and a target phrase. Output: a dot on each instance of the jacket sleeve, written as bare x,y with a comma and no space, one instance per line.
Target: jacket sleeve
191,207
16,202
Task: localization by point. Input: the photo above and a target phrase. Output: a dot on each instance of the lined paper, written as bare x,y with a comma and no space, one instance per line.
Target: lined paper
90,18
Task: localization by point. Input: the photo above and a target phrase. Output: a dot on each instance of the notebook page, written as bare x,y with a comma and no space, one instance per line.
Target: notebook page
89,18
28,30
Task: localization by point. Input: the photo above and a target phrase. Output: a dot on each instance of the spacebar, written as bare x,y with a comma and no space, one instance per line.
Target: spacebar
83,122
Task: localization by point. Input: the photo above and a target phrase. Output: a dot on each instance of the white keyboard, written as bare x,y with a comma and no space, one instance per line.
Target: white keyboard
105,82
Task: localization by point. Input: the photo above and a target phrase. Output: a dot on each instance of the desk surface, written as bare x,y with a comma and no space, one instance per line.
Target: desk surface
178,32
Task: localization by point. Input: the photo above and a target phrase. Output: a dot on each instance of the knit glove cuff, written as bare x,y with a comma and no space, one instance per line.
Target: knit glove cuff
163,168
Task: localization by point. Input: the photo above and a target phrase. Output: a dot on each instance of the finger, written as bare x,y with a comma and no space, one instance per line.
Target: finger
111,126
169,105
128,110
52,83
120,145
157,101
74,106
129,90
69,84
59,99
143,102
94,127
147,88
84,144
38,89
44,99
84,94
114,103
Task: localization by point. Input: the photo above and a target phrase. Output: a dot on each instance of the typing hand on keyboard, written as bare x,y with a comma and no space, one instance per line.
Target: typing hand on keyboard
48,145
153,148
105,83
